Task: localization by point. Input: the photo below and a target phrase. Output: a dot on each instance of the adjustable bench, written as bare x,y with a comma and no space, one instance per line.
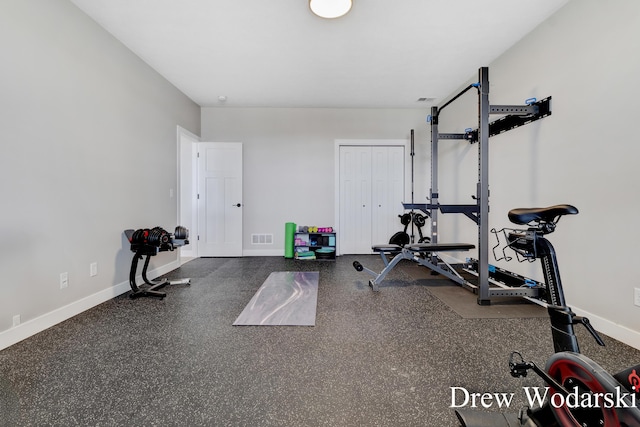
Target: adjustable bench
424,254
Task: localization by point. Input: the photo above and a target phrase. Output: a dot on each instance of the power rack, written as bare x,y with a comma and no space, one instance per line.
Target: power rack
506,284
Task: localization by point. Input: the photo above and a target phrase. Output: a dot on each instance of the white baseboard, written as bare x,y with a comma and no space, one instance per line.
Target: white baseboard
263,252
614,330
25,330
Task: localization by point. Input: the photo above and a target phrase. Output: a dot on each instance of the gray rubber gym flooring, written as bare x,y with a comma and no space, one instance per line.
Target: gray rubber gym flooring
372,359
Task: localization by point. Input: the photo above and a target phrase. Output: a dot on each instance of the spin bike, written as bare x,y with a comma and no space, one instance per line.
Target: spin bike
568,373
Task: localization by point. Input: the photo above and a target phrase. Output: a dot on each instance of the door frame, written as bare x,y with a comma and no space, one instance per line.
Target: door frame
187,212
406,143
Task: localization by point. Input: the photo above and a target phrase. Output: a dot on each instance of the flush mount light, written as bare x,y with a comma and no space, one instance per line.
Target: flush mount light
330,8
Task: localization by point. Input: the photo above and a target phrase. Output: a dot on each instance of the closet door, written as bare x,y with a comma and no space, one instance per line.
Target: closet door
371,196
387,174
355,200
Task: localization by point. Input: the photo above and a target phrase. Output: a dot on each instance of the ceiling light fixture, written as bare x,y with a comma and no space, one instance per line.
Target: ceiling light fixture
330,8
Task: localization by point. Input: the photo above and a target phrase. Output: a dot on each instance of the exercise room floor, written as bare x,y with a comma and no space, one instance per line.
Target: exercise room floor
372,359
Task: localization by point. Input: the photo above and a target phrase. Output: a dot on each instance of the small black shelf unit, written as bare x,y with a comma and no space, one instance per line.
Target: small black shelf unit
315,246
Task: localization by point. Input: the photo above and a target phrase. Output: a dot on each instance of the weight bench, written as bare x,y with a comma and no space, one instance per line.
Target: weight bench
424,254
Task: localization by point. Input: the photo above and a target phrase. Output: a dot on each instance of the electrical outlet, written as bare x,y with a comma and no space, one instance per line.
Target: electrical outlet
16,320
93,269
64,280
636,296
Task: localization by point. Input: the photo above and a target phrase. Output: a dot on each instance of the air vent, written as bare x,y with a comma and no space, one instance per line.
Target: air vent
426,99
262,239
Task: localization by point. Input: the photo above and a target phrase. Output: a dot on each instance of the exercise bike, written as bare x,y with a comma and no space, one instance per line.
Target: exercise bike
568,373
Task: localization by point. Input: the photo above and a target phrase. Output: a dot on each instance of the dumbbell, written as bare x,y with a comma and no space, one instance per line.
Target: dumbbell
420,220
158,236
181,233
405,219
140,236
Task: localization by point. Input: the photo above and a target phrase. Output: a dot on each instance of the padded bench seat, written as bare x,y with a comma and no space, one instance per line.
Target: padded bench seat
392,254
424,247
439,247
386,248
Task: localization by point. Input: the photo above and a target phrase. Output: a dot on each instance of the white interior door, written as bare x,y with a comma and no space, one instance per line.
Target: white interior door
355,200
219,199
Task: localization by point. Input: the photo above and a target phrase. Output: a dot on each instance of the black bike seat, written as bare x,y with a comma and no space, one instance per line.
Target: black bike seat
527,215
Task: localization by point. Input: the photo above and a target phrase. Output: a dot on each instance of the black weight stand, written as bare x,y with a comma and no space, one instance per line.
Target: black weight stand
150,288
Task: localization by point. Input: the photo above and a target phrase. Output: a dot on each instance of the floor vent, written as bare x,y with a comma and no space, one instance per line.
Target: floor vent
262,239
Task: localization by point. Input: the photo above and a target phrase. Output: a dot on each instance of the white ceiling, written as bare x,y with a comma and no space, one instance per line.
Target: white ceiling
383,54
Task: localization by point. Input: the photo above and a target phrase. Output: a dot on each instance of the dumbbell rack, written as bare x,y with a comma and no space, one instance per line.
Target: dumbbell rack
150,288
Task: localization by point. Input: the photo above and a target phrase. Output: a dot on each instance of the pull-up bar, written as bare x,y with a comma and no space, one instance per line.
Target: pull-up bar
476,85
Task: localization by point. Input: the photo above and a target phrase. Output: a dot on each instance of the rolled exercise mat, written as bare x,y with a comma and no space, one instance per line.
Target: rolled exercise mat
289,235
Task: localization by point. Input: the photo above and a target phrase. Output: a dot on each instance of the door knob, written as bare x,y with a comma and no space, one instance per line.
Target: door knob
237,205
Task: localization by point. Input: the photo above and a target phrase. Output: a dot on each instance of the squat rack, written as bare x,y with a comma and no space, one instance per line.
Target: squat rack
514,116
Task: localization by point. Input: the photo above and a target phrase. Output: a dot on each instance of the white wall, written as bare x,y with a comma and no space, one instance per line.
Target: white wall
586,153
289,160
88,150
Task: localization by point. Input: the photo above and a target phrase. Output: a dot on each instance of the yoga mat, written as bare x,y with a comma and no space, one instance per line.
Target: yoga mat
285,298
289,234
